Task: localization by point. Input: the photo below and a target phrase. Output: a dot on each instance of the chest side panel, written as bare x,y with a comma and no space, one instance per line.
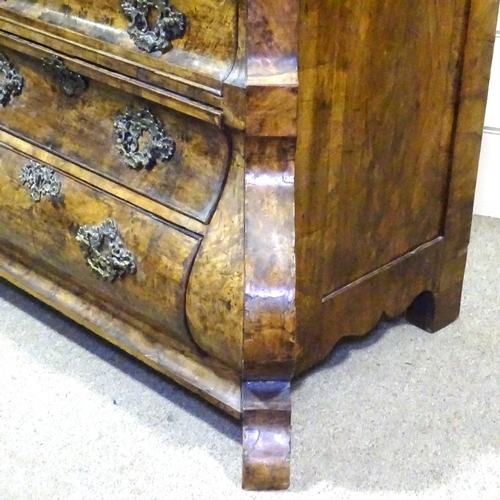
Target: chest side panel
391,97
380,128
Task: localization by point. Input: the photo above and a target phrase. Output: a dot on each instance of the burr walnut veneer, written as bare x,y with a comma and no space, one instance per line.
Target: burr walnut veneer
225,188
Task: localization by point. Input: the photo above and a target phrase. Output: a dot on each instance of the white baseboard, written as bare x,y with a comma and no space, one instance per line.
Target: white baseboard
487,200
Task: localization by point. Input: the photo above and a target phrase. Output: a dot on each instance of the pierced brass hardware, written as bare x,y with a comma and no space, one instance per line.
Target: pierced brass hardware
130,127
105,251
170,24
71,83
12,82
40,180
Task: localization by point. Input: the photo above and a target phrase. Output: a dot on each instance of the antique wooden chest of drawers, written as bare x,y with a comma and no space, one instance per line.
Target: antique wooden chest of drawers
225,188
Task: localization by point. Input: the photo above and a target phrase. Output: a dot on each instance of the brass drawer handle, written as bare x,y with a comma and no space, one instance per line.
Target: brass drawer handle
12,82
105,251
129,129
71,83
40,180
170,24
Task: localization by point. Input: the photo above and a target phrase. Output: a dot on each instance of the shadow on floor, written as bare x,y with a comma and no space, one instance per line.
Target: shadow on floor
77,334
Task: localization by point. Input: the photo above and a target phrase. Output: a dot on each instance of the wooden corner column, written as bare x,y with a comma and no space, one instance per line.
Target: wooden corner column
264,89
266,435
269,323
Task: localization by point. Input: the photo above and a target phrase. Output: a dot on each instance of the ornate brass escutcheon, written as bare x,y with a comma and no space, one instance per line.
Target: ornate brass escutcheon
11,84
170,24
71,83
130,127
105,251
40,180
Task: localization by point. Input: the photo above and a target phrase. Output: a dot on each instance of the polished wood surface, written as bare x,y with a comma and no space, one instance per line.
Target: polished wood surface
266,435
103,184
377,154
135,70
395,99
209,112
44,234
204,55
325,180
269,340
269,329
81,129
214,301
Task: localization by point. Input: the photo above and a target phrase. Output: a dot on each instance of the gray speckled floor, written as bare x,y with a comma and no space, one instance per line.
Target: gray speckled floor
399,414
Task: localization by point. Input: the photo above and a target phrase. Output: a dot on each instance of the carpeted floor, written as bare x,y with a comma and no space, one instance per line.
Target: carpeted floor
399,414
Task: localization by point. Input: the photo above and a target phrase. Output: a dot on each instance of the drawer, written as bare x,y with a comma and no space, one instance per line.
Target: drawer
172,158
114,255
158,41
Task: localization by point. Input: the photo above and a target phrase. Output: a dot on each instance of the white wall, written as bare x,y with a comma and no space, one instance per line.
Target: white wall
487,201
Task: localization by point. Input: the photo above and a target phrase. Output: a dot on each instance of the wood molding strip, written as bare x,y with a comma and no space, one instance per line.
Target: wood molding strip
208,92
102,183
387,267
155,94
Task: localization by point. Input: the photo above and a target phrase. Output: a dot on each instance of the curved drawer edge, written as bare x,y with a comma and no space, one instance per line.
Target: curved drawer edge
204,376
84,130
186,80
214,298
209,111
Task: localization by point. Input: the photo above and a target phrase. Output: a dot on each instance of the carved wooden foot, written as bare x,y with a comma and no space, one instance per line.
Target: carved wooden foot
433,311
266,435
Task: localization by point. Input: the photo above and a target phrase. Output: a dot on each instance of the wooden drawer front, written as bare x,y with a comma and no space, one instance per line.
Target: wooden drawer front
82,128
203,52
44,233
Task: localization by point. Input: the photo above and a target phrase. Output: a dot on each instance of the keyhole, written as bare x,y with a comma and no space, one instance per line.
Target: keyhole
144,140
152,17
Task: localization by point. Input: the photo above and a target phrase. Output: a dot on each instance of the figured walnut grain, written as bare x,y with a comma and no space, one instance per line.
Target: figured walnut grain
45,233
82,129
204,54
